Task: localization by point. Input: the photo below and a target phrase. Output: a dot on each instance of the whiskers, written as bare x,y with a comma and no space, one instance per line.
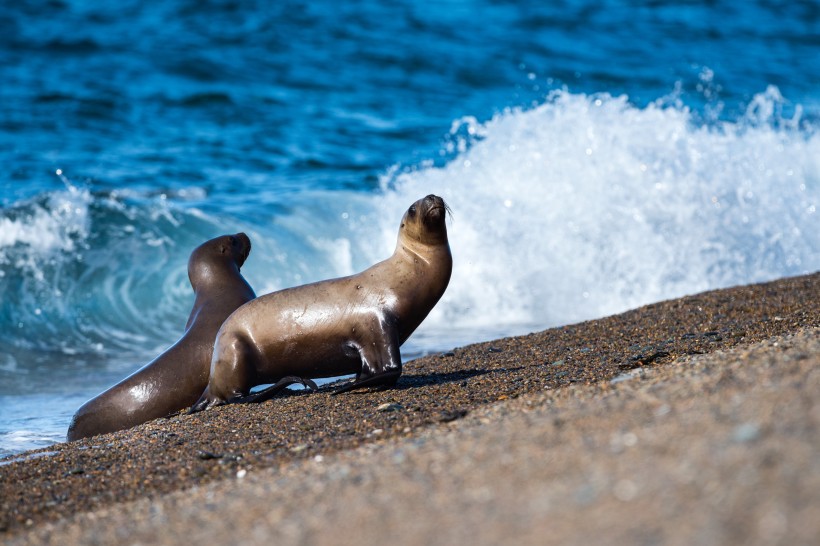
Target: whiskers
448,210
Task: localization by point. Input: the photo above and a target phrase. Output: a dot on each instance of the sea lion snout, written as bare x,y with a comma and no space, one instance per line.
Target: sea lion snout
433,200
244,243
434,208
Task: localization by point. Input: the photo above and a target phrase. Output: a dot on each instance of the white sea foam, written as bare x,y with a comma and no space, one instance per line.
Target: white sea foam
587,206
53,225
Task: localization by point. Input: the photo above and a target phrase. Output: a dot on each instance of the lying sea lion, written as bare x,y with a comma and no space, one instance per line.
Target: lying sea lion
340,326
176,378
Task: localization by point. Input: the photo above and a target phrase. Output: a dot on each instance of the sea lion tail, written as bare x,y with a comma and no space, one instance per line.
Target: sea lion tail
270,392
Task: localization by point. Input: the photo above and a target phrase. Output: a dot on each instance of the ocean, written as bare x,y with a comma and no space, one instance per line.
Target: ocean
597,156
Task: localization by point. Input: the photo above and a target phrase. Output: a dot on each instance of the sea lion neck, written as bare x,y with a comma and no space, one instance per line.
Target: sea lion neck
212,271
415,252
425,250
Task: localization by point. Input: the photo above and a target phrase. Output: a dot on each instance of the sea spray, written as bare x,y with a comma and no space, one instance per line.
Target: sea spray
587,205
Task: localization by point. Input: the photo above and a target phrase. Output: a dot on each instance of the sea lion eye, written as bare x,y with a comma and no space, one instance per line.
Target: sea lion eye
412,210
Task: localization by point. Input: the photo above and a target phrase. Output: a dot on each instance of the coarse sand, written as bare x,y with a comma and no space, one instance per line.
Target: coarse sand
688,421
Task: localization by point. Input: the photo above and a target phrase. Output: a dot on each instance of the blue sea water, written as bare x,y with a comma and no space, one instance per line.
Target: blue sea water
597,155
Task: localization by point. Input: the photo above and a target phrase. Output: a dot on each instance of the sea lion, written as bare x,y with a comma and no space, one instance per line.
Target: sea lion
349,325
176,378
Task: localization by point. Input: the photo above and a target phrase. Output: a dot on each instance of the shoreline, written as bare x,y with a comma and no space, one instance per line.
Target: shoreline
443,397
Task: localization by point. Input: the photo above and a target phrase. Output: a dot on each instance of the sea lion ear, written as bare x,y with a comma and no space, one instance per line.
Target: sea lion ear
223,249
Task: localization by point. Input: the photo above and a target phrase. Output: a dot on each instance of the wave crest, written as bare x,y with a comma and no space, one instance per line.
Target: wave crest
86,274
587,205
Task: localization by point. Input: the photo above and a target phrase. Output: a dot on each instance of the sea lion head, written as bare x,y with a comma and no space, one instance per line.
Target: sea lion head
211,257
425,221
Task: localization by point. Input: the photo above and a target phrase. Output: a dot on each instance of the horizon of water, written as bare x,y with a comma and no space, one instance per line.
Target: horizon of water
589,171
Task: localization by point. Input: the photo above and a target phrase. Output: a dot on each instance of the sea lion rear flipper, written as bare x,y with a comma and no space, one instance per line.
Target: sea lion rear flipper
269,392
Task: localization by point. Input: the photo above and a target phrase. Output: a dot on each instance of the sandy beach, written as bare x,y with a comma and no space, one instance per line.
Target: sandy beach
694,420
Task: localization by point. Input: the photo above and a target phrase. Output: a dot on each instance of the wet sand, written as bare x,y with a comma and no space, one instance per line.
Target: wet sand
692,420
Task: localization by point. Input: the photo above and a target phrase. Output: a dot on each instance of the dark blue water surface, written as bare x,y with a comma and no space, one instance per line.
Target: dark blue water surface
571,139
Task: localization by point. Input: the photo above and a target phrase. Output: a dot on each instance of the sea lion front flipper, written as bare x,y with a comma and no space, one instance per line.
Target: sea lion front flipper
269,392
381,360
202,404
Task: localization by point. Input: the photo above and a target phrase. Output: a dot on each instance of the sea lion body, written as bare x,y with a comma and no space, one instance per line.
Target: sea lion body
349,325
176,378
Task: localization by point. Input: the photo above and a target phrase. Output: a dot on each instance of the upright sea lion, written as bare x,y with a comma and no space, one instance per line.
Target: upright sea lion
176,378
340,326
